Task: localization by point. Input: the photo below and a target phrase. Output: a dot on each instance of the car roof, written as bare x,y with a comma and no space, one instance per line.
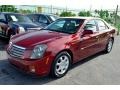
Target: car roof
10,13
42,14
85,18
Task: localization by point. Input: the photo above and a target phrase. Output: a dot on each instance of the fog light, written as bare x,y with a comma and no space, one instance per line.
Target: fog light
32,69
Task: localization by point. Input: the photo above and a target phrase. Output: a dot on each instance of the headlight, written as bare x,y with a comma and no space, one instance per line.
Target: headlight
38,51
10,44
21,30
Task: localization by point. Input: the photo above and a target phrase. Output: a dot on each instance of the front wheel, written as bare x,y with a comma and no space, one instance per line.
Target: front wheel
61,65
109,46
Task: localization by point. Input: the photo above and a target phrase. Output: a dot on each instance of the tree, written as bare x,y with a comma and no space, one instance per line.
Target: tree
102,14
96,11
8,8
84,13
81,13
25,11
88,13
67,14
107,13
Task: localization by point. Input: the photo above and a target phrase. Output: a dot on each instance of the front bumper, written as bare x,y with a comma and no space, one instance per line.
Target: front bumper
39,67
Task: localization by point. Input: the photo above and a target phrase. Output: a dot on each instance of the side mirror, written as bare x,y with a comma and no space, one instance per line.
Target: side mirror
87,32
3,21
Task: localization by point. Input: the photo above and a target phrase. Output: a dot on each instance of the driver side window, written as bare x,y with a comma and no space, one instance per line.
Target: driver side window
91,25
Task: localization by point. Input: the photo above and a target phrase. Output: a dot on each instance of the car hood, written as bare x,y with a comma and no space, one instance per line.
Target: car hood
25,25
32,39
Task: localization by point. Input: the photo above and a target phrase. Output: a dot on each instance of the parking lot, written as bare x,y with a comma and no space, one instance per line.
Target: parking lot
98,69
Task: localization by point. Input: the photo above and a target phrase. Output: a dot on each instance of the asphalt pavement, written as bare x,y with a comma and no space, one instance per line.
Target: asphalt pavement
100,69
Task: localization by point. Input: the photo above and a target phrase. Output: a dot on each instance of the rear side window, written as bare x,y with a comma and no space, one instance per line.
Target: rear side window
91,25
101,25
2,16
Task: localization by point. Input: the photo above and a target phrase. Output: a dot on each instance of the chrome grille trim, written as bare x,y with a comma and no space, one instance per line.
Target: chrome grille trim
16,51
33,28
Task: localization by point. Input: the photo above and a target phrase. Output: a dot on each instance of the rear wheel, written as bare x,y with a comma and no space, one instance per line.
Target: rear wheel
109,46
61,65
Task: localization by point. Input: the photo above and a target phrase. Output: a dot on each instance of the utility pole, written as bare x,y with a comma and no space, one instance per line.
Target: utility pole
116,19
116,15
66,8
51,9
66,5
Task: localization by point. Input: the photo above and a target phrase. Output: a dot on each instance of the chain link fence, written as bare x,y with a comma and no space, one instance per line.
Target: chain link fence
26,9
44,9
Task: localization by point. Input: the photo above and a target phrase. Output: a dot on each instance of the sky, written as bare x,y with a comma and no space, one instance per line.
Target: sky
84,4
72,4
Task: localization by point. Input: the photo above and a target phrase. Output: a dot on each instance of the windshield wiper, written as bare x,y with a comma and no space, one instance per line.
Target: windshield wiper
56,30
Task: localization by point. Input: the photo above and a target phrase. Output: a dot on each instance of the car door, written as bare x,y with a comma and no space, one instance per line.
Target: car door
3,25
103,34
88,42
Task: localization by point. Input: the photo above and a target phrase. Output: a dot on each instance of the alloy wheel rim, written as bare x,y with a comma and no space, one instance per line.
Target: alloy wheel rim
62,65
110,45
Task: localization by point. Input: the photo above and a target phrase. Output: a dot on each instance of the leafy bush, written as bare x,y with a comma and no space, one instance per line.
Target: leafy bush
8,8
67,14
84,13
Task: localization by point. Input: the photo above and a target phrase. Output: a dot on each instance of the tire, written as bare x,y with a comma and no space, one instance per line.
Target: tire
109,46
10,34
61,65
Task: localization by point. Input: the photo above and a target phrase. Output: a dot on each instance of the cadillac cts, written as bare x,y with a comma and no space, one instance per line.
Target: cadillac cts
64,42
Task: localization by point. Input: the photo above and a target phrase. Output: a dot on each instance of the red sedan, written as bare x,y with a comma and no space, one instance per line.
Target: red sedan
64,42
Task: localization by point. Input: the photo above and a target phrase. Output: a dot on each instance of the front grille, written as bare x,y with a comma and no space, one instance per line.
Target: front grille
16,51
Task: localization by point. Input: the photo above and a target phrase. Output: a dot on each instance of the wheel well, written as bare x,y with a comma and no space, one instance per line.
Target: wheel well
112,38
68,51
11,32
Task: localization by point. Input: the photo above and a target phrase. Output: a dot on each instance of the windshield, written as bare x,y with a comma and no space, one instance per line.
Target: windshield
17,18
65,25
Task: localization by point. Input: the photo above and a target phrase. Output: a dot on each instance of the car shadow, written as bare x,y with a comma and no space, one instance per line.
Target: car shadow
87,59
11,76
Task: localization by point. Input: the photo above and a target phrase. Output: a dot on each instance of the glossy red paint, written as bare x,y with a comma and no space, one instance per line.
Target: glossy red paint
79,46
